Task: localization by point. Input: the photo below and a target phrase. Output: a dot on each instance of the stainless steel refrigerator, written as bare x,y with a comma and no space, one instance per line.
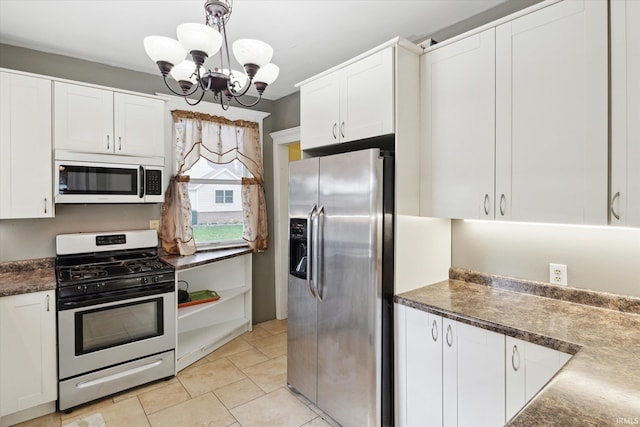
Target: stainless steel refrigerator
341,285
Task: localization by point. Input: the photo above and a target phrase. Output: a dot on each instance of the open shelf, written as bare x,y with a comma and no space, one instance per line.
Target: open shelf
225,295
207,339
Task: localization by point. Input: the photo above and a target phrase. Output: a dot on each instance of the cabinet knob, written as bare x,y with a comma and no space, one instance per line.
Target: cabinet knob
335,128
486,204
503,201
449,336
612,208
515,353
119,143
108,143
47,303
45,207
342,129
434,331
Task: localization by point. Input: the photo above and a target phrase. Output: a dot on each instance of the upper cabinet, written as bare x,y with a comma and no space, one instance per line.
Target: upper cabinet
25,147
95,120
351,103
625,113
458,103
541,115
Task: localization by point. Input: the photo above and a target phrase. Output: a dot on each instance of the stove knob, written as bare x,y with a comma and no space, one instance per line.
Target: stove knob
154,279
84,288
145,280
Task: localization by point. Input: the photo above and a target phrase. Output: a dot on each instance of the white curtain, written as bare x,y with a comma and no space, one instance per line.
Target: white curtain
219,140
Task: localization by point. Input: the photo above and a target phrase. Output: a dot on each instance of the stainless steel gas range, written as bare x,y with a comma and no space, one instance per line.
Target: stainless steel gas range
116,311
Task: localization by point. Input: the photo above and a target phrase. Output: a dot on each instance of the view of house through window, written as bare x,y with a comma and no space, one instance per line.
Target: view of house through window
216,203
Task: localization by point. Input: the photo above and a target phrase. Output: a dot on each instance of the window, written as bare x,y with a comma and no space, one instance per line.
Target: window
224,196
216,203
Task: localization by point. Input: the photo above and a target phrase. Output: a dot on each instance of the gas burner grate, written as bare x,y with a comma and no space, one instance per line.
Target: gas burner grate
87,273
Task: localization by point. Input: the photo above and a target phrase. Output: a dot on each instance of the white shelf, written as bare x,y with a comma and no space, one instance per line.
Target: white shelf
225,295
207,339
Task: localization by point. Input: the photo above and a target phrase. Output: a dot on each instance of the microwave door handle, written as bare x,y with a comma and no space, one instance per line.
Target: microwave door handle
141,195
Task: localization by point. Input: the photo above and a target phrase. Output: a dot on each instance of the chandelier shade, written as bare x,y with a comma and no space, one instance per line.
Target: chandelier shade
200,42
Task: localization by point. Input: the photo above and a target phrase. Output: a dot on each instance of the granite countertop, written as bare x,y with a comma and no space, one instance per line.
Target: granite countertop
21,277
599,386
201,258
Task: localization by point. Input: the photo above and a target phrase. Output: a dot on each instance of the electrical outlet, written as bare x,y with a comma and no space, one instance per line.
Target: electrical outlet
558,274
154,224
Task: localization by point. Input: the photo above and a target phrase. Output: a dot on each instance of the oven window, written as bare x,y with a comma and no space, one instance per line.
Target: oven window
98,180
119,324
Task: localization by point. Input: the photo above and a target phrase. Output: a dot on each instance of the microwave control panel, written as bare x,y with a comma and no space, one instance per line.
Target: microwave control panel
153,182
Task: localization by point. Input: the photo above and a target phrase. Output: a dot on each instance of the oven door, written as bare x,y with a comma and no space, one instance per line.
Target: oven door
115,329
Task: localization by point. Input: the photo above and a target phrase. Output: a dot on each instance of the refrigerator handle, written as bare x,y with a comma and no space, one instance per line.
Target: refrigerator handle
316,253
310,250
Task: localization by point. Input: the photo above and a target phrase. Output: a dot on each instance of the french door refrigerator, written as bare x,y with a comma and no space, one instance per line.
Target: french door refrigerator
340,342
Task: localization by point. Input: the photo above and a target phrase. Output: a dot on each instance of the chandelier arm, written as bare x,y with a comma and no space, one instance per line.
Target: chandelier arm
195,103
249,105
237,94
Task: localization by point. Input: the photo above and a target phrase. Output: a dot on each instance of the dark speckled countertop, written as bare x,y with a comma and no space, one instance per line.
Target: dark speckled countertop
599,386
21,277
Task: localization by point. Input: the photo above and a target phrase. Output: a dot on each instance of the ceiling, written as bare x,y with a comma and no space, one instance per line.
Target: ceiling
308,36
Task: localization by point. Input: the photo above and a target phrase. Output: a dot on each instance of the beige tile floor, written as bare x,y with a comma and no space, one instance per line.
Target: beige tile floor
243,383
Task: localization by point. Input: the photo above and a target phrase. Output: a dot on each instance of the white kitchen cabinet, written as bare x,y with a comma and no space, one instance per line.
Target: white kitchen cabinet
94,120
625,113
421,392
25,147
552,115
479,375
202,328
528,368
450,373
458,103
349,104
27,351
551,119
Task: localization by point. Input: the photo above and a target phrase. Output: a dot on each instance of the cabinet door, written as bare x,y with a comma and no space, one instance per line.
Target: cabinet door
83,118
320,112
551,115
139,125
449,373
424,369
481,377
459,121
625,111
515,376
25,147
27,351
367,97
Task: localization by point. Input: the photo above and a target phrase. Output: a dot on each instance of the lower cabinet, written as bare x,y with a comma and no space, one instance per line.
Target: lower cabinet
202,328
27,351
450,373
529,367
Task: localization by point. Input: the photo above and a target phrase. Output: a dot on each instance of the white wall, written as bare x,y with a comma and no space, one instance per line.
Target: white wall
598,258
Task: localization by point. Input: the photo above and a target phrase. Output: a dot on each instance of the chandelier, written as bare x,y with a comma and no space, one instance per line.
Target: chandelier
202,41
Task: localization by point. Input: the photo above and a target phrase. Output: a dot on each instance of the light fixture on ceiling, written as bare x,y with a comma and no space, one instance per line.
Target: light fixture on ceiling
203,41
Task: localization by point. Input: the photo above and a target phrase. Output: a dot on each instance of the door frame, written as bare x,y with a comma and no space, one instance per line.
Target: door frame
281,141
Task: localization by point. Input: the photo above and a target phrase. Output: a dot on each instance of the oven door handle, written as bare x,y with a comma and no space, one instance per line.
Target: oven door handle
120,295
113,377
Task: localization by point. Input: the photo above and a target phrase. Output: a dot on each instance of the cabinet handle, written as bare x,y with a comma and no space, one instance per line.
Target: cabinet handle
119,143
45,205
335,128
503,201
613,200
513,358
449,336
47,303
434,331
108,143
342,129
486,204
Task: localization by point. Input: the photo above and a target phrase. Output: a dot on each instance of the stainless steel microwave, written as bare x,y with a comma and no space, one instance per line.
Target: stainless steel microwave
99,178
